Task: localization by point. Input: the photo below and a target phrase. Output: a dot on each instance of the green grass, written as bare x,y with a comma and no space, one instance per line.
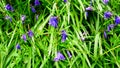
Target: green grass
39,51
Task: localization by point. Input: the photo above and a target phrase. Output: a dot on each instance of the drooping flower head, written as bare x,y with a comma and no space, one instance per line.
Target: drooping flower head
59,56
23,17
69,55
117,20
105,1
105,34
107,15
9,7
65,1
64,35
30,33
111,26
33,9
36,2
86,13
24,37
8,18
89,8
18,46
53,21
37,16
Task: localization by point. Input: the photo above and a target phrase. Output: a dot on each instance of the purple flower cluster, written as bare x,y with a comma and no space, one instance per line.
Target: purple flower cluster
8,18
64,35
60,56
33,9
53,21
107,15
105,1
18,46
9,7
36,2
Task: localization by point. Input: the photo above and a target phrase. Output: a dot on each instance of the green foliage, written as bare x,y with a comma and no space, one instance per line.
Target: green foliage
39,51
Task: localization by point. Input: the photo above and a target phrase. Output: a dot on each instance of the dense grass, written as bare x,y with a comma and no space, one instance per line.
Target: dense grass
39,51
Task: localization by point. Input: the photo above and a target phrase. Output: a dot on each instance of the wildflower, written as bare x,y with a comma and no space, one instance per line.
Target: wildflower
37,2
33,9
37,16
105,1
69,55
107,15
18,46
53,21
89,8
8,18
105,34
86,13
9,7
65,1
24,37
30,33
117,20
111,26
64,35
23,17
82,38
59,56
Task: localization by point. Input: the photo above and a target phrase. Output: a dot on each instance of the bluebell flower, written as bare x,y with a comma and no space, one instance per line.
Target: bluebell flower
64,35
9,7
105,34
65,1
8,18
69,55
105,1
107,15
117,20
59,56
86,13
37,16
53,21
24,37
33,9
30,33
18,46
23,17
111,26
89,8
37,2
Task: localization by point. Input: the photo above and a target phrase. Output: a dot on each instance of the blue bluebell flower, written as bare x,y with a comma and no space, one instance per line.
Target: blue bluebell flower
59,56
105,34
69,55
64,35
9,7
65,1
24,37
111,26
86,13
105,1
8,18
23,17
53,21
89,8
37,2
117,20
37,16
33,9
107,15
18,46
30,33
